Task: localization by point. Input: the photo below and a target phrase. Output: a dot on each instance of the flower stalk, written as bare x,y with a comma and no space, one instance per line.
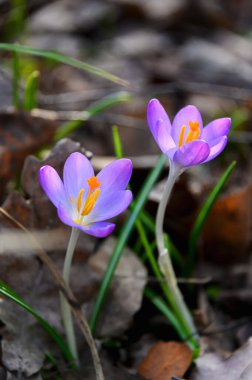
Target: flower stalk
67,313
177,302
65,307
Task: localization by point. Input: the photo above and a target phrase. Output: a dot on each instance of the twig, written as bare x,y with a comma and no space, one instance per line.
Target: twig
75,306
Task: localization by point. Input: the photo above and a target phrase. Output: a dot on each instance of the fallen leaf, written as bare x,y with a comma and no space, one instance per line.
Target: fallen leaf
23,344
227,231
237,367
35,210
126,291
164,360
21,135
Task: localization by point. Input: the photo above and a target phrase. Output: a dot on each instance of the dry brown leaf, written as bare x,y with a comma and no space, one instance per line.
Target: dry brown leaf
21,135
227,232
164,360
35,210
126,291
237,367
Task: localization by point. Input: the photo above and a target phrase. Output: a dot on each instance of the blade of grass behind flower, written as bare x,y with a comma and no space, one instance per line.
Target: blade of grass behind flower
31,88
15,80
62,58
91,111
161,306
9,293
123,238
203,214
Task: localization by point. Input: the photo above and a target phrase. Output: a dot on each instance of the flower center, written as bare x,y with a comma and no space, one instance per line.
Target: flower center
192,135
93,194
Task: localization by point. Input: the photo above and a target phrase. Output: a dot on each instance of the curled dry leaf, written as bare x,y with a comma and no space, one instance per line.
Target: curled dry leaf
21,135
23,344
237,367
126,292
227,232
164,360
35,210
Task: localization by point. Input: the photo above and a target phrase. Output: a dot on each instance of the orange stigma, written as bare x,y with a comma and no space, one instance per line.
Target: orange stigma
93,183
193,134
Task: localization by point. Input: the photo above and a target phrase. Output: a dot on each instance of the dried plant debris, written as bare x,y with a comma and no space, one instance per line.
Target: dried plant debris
35,210
21,135
24,343
237,367
125,296
166,359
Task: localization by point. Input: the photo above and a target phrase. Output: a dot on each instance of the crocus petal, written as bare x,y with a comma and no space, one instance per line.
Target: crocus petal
216,147
115,176
160,125
65,217
183,117
100,229
215,129
52,185
77,170
193,153
109,205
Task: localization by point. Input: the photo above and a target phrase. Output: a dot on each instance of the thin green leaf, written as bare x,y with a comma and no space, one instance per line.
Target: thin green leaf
203,214
94,109
148,221
9,293
117,142
61,58
15,81
162,306
123,238
31,88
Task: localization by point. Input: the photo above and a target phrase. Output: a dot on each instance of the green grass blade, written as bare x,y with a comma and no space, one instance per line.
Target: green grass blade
123,238
94,109
15,81
162,306
117,142
9,293
62,58
203,214
31,88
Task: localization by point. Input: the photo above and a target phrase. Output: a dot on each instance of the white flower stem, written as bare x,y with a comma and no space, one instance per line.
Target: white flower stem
177,301
67,314
65,307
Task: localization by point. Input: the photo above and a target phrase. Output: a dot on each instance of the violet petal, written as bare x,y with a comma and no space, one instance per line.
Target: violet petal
215,129
183,117
216,147
193,153
52,185
109,205
99,229
160,125
77,170
116,175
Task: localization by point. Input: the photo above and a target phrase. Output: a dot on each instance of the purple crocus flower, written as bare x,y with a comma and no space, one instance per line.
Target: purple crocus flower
185,142
86,201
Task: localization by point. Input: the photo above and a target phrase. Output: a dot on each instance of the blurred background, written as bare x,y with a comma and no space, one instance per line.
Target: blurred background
182,52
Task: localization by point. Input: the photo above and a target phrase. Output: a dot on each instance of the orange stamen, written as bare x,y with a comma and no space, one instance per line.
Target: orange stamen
194,132
181,135
90,202
79,200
